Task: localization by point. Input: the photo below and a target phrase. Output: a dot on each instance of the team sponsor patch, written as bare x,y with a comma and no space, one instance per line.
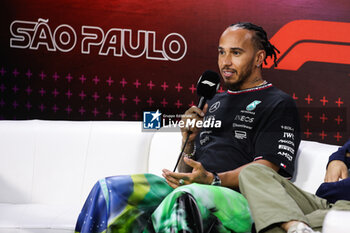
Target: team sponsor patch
204,137
287,148
286,142
234,125
288,135
252,105
247,112
214,107
286,127
286,155
244,118
240,134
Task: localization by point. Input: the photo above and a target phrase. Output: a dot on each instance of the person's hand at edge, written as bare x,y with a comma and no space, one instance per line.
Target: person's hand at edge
336,170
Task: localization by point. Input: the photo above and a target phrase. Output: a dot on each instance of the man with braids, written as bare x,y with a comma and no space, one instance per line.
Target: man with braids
259,126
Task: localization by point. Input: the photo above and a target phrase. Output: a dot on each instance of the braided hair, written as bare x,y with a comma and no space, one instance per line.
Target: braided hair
260,40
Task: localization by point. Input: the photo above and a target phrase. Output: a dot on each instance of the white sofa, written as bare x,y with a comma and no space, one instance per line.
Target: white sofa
47,168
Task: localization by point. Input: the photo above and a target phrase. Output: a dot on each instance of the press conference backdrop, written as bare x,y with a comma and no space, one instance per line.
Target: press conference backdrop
112,60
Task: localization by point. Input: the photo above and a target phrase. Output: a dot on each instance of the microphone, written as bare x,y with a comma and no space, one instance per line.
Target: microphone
207,86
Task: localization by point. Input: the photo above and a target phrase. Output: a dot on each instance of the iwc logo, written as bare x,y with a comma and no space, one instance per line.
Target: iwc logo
252,105
214,107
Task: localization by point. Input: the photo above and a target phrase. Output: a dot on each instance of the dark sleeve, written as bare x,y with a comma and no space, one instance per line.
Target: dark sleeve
279,138
334,191
341,154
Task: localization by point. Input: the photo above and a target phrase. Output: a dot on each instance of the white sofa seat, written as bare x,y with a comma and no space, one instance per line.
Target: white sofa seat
47,168
38,218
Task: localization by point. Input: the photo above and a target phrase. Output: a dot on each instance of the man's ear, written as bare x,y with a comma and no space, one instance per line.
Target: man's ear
260,57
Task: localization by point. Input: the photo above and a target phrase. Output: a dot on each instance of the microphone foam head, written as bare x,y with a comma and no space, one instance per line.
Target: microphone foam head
208,84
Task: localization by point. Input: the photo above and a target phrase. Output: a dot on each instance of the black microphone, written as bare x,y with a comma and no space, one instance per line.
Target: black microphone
207,86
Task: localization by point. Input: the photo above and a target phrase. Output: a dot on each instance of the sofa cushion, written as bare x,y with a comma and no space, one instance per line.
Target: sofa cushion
115,148
59,163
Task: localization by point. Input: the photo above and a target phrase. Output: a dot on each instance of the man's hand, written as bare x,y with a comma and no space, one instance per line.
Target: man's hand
198,175
336,170
196,114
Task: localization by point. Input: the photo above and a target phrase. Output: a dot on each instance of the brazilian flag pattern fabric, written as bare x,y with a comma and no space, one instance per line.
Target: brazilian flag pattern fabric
146,203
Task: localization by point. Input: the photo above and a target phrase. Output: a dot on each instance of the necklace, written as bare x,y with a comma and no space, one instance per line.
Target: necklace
263,83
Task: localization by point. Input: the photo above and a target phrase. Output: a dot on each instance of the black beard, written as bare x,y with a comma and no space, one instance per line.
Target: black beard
241,79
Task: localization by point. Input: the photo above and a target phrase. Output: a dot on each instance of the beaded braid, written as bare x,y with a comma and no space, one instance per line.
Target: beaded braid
260,39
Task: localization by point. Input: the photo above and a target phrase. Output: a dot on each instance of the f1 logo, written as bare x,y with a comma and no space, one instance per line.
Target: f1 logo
301,41
208,83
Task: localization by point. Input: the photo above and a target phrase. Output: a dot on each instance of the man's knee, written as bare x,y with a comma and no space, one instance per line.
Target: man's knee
253,171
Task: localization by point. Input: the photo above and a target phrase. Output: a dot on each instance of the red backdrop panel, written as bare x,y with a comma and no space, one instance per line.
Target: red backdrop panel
111,60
